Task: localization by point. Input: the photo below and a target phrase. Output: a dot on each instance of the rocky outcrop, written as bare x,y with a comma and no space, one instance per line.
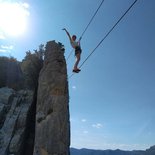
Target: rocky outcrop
15,109
21,122
52,135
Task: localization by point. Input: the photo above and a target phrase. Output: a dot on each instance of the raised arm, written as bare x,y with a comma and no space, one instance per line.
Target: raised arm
67,34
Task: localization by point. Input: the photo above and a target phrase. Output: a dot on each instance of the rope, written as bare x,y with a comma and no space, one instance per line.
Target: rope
87,26
107,35
92,19
70,54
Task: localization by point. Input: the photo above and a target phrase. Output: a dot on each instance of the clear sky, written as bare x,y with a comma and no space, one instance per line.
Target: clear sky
112,100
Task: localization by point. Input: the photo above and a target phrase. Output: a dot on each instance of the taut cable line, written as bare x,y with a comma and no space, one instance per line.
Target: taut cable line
107,34
86,27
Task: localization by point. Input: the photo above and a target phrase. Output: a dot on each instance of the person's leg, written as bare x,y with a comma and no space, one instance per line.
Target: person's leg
78,57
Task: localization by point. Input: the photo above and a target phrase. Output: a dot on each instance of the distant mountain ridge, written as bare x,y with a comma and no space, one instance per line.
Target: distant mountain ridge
150,151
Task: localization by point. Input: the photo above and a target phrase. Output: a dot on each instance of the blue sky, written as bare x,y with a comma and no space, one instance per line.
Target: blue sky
112,100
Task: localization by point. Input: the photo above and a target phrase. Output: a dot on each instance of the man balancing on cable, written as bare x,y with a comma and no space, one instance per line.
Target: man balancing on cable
76,45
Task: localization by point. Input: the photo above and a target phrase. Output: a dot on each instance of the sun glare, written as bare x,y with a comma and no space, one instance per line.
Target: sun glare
13,18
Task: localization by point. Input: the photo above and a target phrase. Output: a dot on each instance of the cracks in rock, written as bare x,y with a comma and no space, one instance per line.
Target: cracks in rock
41,116
28,146
50,111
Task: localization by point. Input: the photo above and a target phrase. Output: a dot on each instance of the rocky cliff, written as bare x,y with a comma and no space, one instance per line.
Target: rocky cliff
52,113
15,111
37,122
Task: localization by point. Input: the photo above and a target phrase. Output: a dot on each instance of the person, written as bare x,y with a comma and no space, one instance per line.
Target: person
76,45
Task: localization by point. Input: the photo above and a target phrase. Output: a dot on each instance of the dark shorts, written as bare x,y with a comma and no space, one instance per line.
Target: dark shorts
78,50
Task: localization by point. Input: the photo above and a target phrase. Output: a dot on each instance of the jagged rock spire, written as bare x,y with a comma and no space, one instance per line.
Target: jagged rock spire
52,136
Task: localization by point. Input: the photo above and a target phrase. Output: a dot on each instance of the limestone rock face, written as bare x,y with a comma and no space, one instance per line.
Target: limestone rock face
14,112
52,135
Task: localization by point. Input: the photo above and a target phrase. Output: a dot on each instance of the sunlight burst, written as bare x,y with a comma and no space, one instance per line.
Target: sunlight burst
13,18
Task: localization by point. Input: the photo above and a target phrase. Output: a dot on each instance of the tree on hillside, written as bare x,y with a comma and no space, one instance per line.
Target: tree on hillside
61,46
31,66
10,73
3,68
